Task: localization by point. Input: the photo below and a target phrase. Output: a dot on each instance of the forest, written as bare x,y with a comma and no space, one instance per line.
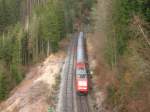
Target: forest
29,31
127,52
123,15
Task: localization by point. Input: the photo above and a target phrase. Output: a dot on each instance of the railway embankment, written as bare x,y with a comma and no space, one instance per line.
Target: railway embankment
38,90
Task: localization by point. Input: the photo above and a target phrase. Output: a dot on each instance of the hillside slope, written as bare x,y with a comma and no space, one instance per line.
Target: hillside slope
38,90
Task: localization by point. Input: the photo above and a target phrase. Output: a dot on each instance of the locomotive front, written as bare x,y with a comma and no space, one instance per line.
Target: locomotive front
81,72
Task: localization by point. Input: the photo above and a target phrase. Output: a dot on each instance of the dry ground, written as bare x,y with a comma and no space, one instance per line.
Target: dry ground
35,91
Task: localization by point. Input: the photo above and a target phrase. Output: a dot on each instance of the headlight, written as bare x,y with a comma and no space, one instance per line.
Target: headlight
82,83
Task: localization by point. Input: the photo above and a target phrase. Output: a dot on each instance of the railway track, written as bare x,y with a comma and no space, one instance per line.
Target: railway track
83,105
69,101
69,98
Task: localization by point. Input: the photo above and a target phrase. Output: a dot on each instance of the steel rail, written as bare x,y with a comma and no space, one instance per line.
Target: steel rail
69,101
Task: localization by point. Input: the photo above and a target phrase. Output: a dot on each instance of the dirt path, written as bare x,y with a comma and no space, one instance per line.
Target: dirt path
34,93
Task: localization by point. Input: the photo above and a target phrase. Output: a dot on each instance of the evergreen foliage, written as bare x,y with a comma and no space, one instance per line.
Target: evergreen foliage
123,12
9,13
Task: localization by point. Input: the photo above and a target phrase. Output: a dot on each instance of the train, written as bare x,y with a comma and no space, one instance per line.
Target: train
81,67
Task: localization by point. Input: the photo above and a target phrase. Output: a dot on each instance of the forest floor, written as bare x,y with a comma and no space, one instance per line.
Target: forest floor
36,92
97,95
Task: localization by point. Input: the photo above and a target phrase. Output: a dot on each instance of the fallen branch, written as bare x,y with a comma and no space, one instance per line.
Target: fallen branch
144,35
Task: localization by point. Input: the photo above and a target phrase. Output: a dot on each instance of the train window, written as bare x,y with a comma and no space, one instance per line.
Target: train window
81,71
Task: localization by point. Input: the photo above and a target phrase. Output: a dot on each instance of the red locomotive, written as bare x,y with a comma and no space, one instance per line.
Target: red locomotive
81,71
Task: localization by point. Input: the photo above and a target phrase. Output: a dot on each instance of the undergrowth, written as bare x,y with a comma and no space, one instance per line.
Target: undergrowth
126,53
124,74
